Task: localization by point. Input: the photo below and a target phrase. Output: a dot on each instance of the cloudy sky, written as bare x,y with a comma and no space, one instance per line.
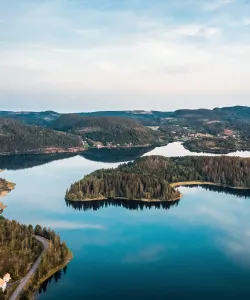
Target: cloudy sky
71,55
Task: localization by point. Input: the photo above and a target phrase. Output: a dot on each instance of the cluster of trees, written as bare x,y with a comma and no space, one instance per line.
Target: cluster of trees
56,254
104,129
31,118
224,170
16,137
211,145
19,249
151,177
117,184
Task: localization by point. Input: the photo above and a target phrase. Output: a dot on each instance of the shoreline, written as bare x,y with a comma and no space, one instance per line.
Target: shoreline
127,199
174,185
186,183
75,149
214,151
52,272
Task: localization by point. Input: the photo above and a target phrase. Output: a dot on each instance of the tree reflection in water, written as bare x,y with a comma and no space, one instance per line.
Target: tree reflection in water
56,277
128,204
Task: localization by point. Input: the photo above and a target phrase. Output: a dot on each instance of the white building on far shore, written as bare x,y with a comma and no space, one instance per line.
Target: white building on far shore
4,281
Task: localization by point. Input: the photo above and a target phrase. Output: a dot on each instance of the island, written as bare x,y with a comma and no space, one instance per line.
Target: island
156,178
30,253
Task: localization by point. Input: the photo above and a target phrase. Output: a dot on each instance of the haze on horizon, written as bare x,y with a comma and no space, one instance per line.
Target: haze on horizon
85,55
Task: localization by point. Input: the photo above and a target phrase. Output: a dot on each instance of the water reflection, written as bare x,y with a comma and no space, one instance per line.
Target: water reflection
241,193
24,161
54,278
177,149
114,155
128,204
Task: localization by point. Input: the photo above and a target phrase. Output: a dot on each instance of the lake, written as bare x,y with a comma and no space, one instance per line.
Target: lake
196,248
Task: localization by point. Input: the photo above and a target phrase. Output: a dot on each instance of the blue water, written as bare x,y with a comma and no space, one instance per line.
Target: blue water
198,248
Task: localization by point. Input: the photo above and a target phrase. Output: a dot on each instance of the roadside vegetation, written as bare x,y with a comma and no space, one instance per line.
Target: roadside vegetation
19,250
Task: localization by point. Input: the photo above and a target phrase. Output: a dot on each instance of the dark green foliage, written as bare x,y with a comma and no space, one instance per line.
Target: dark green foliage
149,177
16,137
118,184
31,118
211,145
56,255
108,130
19,249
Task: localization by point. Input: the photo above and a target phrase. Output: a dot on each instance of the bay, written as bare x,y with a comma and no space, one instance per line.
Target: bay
197,247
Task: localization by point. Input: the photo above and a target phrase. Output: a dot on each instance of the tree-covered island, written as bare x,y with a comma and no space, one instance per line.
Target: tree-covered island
155,178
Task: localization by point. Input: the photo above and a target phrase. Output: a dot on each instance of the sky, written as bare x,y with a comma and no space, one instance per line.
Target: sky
86,55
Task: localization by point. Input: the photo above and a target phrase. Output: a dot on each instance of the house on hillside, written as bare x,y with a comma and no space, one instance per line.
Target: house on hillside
3,284
4,281
6,277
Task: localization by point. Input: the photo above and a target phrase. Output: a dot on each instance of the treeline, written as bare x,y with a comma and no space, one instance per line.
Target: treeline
211,145
16,137
104,129
56,254
151,177
117,184
19,249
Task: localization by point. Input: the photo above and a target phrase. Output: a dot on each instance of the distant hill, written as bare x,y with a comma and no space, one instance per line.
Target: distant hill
147,118
31,118
221,114
106,130
19,138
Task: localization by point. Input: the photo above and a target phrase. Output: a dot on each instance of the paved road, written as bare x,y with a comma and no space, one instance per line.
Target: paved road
31,272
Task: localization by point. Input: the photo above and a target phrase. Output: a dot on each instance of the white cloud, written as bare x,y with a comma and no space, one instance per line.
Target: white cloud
70,225
56,52
218,4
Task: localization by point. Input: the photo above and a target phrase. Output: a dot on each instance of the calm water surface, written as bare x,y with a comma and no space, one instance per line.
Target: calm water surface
197,248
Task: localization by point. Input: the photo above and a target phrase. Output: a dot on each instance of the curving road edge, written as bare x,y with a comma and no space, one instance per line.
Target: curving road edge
31,272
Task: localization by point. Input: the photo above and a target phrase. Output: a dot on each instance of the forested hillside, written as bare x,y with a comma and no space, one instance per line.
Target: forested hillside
19,138
31,118
151,177
19,250
108,130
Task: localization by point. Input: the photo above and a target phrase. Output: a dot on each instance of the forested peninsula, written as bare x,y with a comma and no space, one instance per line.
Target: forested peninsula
18,138
155,178
19,249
